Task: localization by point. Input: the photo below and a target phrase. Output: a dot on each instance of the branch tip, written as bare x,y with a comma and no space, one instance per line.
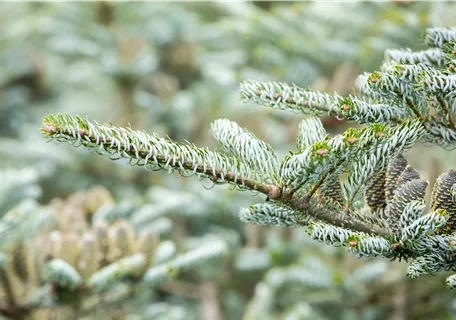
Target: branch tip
48,128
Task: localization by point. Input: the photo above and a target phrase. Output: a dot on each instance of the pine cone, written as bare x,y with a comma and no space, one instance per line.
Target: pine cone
395,168
442,198
409,191
375,192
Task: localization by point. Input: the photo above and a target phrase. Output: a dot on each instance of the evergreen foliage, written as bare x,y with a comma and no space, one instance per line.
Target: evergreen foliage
171,68
409,100
73,263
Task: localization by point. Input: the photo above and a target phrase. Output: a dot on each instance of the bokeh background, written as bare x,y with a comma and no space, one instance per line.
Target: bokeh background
172,68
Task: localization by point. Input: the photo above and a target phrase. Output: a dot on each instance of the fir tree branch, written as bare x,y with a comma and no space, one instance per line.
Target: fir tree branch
360,111
155,152
336,218
397,104
168,270
272,214
128,266
310,130
430,57
60,272
437,37
152,151
285,97
246,147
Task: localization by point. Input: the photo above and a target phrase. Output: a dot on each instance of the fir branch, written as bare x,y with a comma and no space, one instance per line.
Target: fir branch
355,148
366,90
440,134
429,57
168,270
425,225
336,218
437,83
23,222
437,37
128,266
310,130
272,214
397,104
154,152
246,147
284,97
364,246
411,213
360,111
60,272
426,264
330,234
307,167
394,87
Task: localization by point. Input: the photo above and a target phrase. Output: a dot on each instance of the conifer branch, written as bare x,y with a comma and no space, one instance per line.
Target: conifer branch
430,57
154,152
255,153
128,266
337,218
169,270
285,97
379,210
144,150
63,274
437,37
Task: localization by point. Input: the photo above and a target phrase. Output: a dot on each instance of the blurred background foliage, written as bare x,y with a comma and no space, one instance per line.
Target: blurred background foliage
172,68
